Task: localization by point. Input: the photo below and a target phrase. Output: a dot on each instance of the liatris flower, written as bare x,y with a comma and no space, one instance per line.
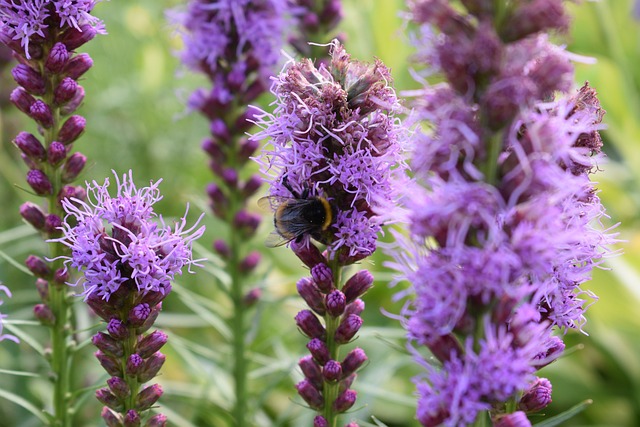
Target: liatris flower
504,222
44,36
315,22
335,143
236,45
128,257
2,316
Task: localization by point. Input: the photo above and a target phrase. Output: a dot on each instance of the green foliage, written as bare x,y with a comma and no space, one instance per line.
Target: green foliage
137,119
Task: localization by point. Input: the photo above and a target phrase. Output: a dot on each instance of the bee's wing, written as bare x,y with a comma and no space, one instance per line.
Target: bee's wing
274,239
266,203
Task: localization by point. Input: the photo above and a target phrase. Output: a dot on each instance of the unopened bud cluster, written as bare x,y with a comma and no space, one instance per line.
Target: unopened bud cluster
130,354
341,307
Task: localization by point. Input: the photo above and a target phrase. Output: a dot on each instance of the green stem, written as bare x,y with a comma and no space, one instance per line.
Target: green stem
330,390
59,301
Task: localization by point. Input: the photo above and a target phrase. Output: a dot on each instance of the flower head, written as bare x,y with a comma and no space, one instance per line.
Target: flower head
334,135
120,241
31,21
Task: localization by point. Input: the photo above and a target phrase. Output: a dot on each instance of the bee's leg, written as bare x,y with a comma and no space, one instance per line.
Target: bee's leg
285,183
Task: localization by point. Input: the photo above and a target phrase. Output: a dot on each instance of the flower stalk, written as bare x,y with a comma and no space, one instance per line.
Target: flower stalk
44,37
237,49
335,146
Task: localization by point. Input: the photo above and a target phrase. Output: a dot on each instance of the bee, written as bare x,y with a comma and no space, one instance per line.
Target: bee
298,216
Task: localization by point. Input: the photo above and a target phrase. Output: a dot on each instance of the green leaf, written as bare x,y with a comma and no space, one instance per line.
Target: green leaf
42,416
24,337
15,263
560,418
19,373
197,305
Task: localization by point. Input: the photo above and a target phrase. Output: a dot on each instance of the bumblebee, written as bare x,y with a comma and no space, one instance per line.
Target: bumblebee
298,216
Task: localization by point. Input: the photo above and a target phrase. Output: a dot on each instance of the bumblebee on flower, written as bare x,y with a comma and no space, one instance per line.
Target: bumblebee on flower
335,137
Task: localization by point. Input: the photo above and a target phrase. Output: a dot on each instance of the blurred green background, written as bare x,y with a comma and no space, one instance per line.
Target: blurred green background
137,120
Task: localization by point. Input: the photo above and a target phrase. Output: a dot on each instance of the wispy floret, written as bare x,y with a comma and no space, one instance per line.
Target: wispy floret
2,316
334,135
120,239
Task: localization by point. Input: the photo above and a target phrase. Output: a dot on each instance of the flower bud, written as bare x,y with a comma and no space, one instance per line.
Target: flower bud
311,371
252,297
43,313
71,191
555,350
65,91
38,267
151,343
73,38
335,303
22,100
353,361
222,248
107,398
73,104
52,224
110,418
247,148
212,148
357,285
307,253
347,329
309,324
71,129
158,420
246,222
57,59
355,307
29,79
323,277
220,130
119,387
41,113
132,419
332,371
515,419
134,365
312,296
33,215
230,177
78,65
61,275
139,314
251,186
108,345
155,311
319,351
117,329
30,146
310,394
537,397
320,421
147,397
249,263
39,182
151,367
43,289
109,364
56,153
345,401
73,166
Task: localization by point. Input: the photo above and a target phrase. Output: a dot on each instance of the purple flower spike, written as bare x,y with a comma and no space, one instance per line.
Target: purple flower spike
503,218
347,158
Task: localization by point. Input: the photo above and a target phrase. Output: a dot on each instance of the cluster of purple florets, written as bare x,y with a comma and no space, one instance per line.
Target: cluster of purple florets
116,242
503,217
335,135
